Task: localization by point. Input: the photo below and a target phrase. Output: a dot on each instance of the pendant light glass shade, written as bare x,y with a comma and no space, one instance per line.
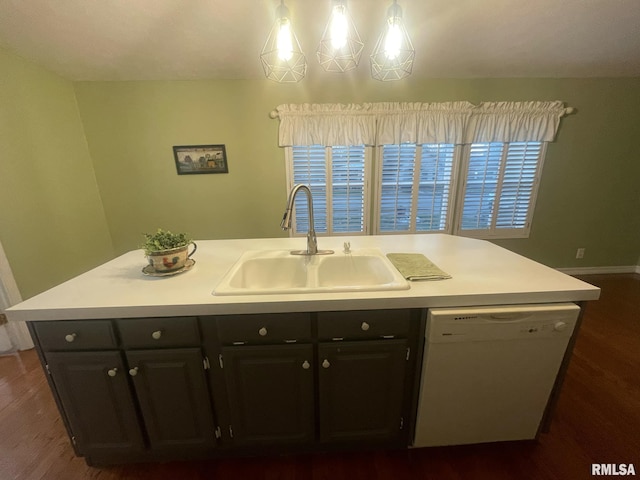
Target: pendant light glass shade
393,55
282,58
340,47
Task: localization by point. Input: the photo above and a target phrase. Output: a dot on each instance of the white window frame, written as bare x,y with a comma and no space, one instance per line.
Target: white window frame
493,232
288,151
414,194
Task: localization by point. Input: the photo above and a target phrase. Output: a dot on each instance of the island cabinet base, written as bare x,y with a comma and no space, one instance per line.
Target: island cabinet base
173,388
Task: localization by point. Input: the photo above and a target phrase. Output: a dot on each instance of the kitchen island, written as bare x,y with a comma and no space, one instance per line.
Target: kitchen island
146,368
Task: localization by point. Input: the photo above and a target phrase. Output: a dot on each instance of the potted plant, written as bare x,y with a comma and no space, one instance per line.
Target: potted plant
166,251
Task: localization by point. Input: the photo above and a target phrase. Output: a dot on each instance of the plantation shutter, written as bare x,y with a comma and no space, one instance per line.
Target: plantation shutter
519,184
309,166
415,188
435,188
396,188
500,188
337,179
348,191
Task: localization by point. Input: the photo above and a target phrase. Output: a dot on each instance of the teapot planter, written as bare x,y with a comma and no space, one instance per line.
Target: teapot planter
168,252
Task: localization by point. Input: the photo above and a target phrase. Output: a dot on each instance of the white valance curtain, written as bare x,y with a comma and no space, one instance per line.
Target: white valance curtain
515,122
326,124
420,123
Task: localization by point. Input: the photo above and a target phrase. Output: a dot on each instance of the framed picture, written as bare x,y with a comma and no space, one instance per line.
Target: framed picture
191,159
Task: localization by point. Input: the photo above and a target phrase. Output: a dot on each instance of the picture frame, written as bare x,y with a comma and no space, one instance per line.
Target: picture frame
197,159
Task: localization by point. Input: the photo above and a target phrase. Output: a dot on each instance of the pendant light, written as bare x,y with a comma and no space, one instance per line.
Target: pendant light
282,58
393,55
340,47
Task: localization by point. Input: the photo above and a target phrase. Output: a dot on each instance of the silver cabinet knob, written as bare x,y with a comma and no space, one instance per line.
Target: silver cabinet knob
325,363
364,326
70,338
306,365
133,371
262,332
112,372
156,335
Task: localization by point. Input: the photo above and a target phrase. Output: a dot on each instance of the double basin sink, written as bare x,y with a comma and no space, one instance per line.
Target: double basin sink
278,271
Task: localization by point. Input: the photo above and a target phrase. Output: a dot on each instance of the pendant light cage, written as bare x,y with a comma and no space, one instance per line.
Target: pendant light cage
340,47
282,58
393,55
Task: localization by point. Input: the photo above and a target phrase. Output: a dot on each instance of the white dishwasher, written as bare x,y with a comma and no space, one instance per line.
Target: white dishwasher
488,371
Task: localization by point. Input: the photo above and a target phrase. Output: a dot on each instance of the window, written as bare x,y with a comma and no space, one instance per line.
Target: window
450,167
415,188
500,188
483,190
342,208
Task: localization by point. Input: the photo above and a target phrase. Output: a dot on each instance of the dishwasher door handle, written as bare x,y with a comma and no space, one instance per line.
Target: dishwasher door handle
509,316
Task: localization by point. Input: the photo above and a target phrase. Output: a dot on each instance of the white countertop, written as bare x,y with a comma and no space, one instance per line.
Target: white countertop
482,274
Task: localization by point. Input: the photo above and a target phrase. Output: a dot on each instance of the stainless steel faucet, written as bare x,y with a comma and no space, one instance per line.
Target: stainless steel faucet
312,241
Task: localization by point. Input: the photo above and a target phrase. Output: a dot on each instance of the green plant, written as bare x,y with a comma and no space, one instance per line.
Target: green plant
163,240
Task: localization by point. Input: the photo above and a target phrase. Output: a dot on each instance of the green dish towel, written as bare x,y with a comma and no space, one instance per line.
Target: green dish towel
415,266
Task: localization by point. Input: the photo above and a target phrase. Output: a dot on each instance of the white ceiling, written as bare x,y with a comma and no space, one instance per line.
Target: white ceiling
207,39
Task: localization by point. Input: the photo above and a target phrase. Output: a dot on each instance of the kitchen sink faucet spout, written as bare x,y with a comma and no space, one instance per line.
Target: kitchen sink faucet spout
312,241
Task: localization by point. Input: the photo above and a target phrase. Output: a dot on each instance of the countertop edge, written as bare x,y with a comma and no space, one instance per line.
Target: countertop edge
298,305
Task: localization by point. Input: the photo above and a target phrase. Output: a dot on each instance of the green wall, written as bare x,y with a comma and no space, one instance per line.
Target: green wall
86,167
52,224
587,196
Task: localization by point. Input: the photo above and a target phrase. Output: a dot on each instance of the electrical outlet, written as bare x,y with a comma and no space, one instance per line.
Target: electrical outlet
580,253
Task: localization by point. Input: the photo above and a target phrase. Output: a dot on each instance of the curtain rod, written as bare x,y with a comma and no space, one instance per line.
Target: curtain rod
273,114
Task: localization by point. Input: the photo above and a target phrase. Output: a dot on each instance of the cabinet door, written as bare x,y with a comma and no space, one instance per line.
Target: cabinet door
270,391
174,400
361,390
95,394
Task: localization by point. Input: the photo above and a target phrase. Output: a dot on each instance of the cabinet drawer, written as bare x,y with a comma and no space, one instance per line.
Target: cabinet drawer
363,324
76,335
159,332
264,328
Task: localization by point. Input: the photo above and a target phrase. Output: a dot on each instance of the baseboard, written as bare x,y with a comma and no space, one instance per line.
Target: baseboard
599,270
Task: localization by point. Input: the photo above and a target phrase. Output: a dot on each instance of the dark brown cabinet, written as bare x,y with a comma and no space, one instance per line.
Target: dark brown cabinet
270,392
138,403
159,388
171,389
266,367
366,362
334,377
361,390
94,392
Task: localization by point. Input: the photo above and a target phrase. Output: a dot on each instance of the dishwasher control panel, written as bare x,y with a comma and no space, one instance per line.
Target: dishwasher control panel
501,322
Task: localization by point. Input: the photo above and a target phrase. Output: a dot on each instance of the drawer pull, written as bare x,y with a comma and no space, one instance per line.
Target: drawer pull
71,337
133,371
364,326
325,363
306,365
156,335
262,332
112,372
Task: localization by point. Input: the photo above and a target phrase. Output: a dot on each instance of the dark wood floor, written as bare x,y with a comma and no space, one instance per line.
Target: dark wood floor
597,421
